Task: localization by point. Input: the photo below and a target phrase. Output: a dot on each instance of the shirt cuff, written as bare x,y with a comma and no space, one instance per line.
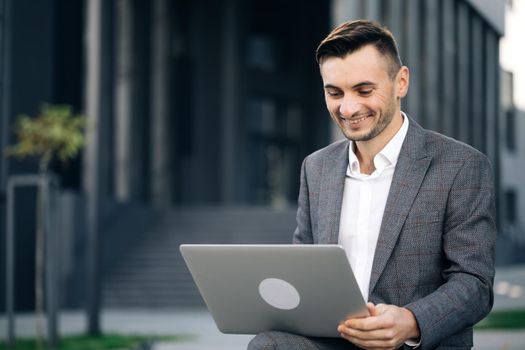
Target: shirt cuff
414,344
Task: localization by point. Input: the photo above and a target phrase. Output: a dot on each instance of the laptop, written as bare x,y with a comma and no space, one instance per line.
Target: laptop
301,289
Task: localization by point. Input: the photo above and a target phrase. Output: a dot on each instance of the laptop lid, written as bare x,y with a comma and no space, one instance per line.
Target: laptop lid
302,289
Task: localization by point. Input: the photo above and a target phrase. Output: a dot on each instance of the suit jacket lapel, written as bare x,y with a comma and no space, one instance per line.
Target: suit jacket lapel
412,165
331,193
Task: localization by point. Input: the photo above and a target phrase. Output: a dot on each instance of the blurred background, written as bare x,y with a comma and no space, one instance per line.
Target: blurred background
199,114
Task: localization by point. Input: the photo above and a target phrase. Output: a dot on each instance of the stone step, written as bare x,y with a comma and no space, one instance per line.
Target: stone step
150,272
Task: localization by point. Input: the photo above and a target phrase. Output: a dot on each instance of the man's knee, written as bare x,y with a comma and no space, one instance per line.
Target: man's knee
264,341
280,341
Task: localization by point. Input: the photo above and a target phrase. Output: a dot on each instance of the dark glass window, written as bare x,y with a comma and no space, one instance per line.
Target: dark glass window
510,130
511,210
3,134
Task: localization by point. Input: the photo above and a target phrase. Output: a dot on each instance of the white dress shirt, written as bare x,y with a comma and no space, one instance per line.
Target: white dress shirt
364,200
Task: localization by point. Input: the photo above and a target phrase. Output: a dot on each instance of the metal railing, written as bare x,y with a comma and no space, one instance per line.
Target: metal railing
47,185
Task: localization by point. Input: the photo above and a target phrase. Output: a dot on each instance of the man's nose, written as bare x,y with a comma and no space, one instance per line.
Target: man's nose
349,106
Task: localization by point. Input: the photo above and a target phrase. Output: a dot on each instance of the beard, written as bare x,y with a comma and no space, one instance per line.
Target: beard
384,120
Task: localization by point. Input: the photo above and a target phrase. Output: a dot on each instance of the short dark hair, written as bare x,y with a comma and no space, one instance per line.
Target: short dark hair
353,35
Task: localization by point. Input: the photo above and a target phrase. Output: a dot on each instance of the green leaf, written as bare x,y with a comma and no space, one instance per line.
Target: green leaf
55,133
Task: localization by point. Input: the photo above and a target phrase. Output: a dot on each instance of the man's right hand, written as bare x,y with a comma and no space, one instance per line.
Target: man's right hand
387,328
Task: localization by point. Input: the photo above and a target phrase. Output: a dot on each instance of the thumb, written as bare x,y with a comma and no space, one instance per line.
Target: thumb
372,309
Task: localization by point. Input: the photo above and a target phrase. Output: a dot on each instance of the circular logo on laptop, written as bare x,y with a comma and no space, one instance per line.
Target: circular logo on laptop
279,294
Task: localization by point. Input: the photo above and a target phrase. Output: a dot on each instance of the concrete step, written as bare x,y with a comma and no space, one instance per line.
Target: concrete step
150,272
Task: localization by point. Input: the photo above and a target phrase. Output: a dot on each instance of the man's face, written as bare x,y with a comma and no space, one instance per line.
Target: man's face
359,94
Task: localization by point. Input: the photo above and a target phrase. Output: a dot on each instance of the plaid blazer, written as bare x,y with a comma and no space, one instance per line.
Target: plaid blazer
435,252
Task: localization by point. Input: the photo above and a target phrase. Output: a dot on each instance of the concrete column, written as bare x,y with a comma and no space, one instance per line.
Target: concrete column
373,10
98,97
463,74
345,10
412,58
448,62
492,92
431,58
477,118
342,11
124,84
395,19
161,166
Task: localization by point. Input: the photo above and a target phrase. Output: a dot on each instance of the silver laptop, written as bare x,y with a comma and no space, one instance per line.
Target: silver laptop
302,289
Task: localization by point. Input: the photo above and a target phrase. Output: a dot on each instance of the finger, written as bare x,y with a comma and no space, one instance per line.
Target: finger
365,324
382,316
370,344
341,329
357,321
344,336
380,308
380,334
371,309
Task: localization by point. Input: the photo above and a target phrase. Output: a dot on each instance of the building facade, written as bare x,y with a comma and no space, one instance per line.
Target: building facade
512,127
216,103
170,66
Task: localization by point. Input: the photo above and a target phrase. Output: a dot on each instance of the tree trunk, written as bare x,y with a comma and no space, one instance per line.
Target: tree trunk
39,268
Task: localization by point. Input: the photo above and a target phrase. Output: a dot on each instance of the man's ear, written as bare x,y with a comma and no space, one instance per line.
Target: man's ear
402,81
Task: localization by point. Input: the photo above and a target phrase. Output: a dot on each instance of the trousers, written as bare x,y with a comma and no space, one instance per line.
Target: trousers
286,341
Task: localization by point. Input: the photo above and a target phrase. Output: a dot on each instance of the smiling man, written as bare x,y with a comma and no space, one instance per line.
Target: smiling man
413,209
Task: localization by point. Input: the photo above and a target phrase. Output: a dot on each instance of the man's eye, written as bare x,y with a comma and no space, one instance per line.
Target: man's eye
333,93
365,92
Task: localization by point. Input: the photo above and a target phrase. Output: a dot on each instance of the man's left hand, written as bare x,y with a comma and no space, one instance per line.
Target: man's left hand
387,328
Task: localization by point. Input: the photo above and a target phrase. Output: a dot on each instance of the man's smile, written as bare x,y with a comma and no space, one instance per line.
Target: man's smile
355,120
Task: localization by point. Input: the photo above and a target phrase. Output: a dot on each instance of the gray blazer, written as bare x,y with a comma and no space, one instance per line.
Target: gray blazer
435,252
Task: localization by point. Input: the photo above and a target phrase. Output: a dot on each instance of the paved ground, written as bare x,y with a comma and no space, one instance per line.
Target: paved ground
509,287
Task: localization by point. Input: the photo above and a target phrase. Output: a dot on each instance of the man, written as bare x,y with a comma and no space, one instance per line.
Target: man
413,209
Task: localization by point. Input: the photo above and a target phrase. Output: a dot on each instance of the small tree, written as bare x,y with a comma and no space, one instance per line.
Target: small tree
54,134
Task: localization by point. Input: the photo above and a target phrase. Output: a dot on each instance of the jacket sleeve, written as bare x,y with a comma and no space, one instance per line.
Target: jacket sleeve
303,231
468,248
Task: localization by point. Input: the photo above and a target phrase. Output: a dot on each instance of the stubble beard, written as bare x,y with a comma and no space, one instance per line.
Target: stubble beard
385,120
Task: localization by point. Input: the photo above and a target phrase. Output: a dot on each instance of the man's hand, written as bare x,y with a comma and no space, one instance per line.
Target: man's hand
387,327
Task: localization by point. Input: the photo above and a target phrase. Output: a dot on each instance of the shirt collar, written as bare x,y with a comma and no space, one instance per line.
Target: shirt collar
386,157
